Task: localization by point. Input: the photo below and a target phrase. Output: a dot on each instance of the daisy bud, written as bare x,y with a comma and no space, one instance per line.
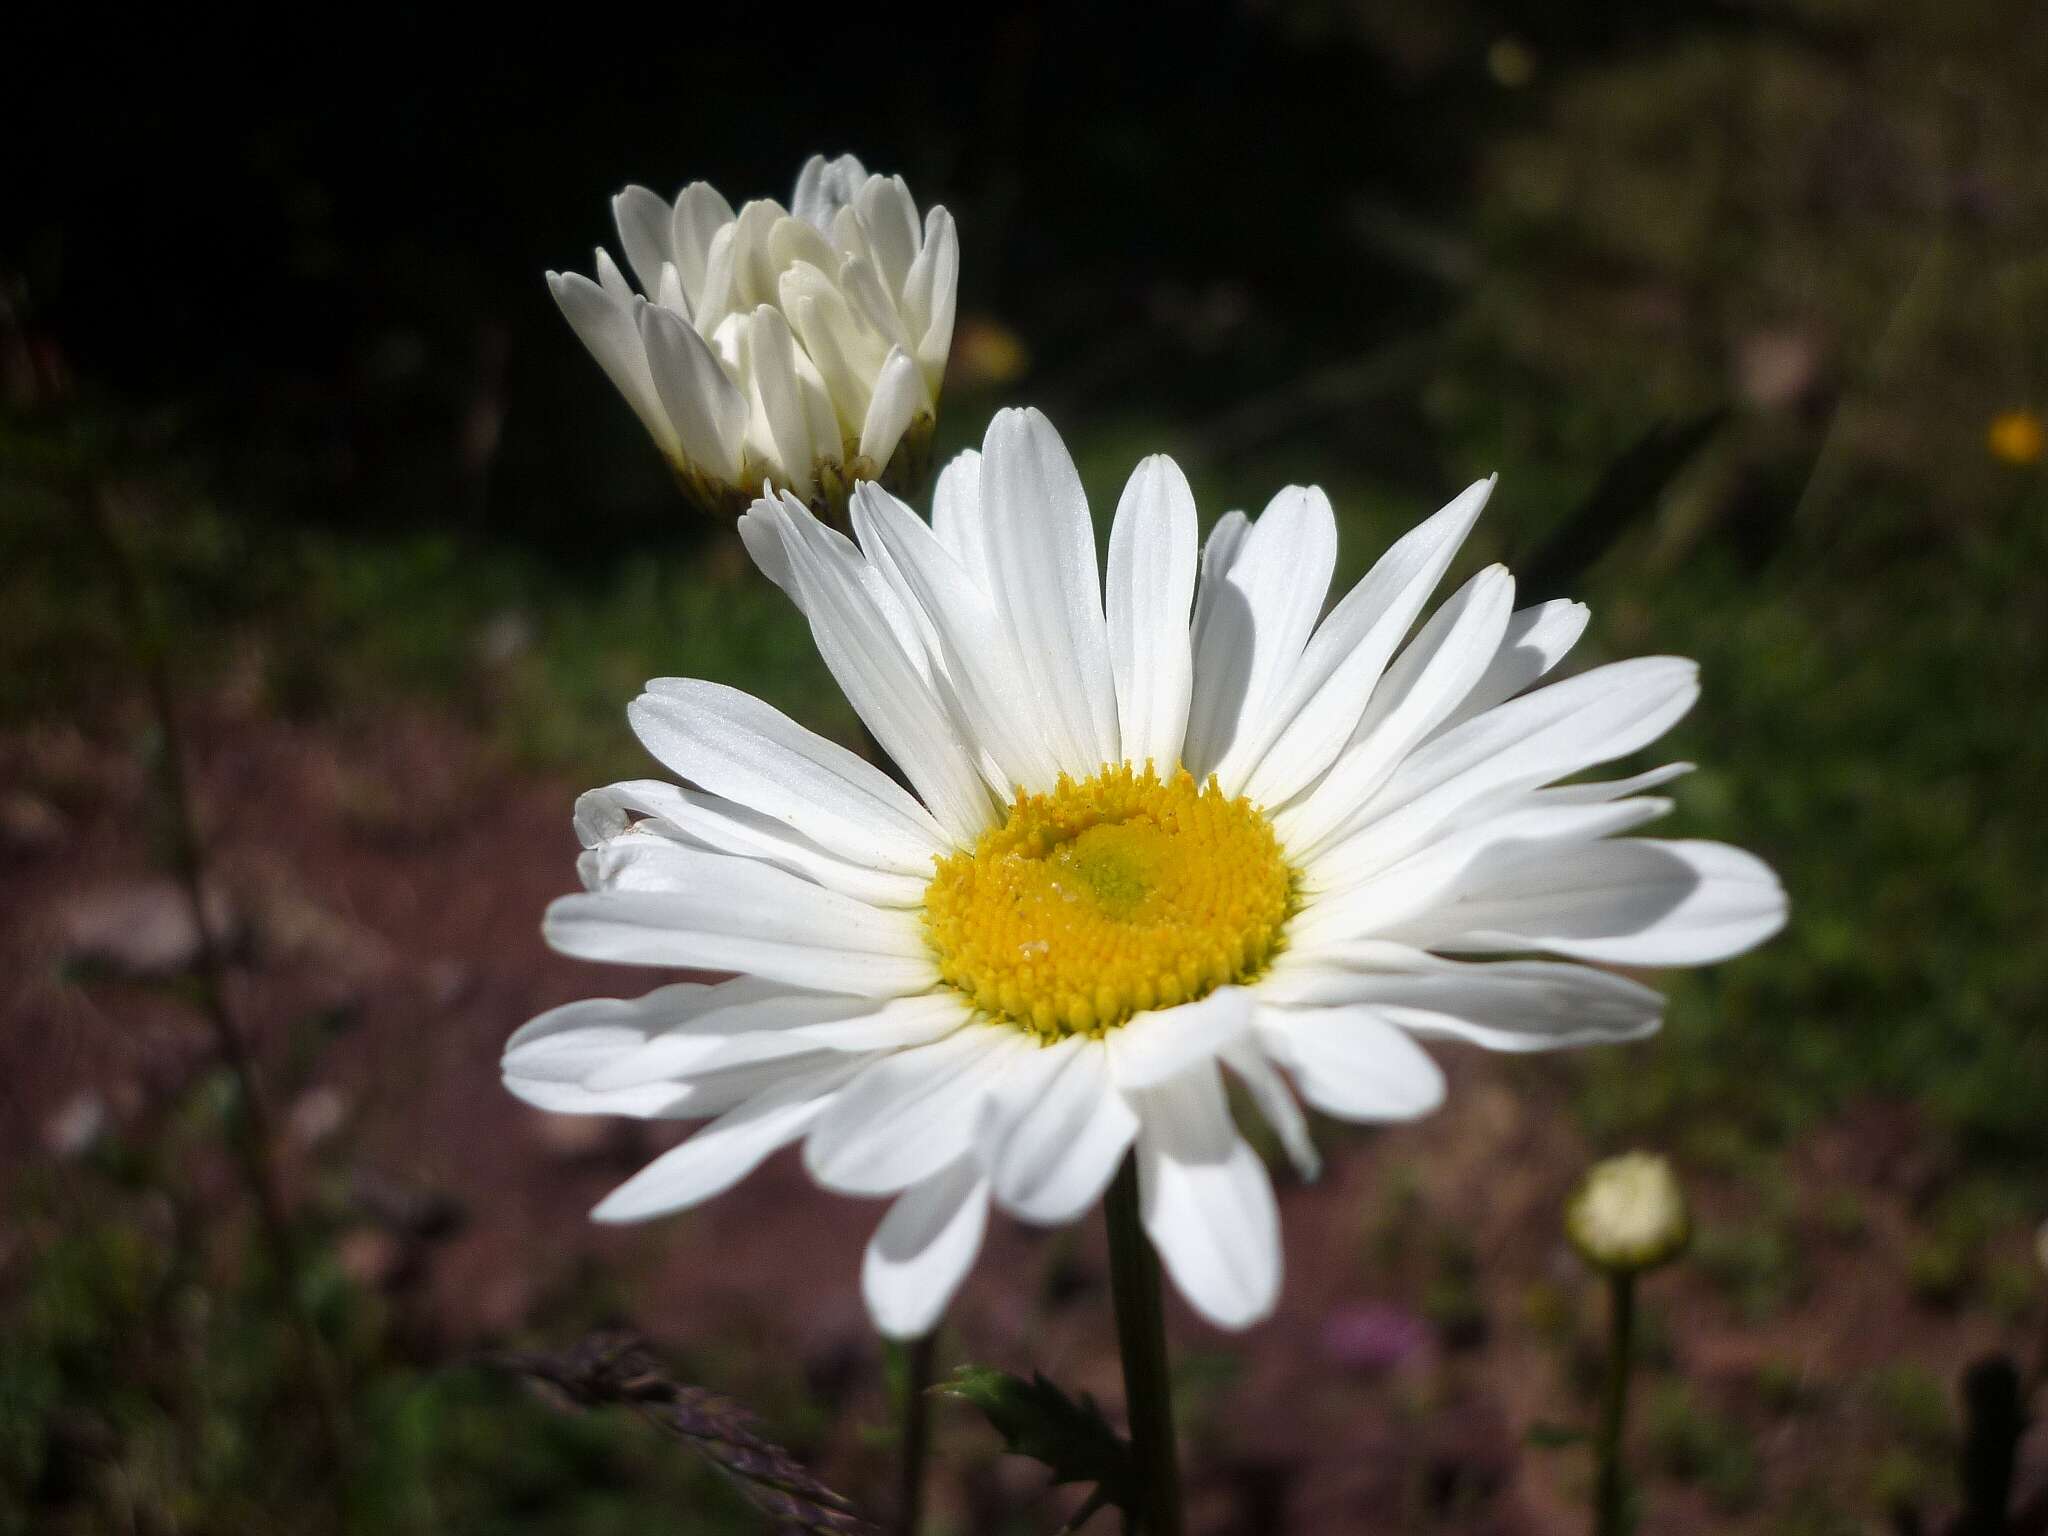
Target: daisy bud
799,347
1628,1214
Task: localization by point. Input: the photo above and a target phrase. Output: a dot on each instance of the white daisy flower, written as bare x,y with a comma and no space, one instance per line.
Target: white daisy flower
801,346
1146,846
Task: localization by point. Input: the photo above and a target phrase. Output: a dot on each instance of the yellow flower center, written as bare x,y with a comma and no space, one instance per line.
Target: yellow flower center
1108,897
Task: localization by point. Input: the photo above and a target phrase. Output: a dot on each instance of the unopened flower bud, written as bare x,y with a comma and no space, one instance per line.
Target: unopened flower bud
801,348
1628,1214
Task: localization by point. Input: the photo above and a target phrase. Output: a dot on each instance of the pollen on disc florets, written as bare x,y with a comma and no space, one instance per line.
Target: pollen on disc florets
1107,897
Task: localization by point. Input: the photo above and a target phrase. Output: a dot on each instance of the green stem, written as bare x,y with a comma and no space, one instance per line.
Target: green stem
1613,1487
1141,1339
251,1132
918,1359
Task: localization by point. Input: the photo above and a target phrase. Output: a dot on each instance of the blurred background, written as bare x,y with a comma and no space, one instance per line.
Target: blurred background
1746,302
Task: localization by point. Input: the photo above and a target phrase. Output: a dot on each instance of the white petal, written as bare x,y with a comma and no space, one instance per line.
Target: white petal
899,398
548,1062
1151,584
956,515
929,295
1166,1042
644,230
729,827
740,915
753,267
773,351
889,219
1041,567
1537,639
714,1090
1595,717
650,1101
823,187
739,1022
1608,789
864,635
1352,1063
1621,902
1275,1103
847,354
707,410
1328,691
1207,1203
923,1250
1059,1143
1515,1005
1466,628
700,213
910,1112
864,291
1435,671
1219,552
1354,890
897,1025
671,296
793,240
750,753
1254,630
568,1043
726,1150
612,280
979,660
717,300
606,325
762,531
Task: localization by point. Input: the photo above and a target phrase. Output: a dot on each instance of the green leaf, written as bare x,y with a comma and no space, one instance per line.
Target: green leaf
1546,1436
1627,492
1036,1419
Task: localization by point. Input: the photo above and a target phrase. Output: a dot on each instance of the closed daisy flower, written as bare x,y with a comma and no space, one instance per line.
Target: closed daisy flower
802,346
1160,830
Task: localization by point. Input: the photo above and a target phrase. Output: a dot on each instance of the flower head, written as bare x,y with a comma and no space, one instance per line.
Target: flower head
803,347
1628,1214
1162,828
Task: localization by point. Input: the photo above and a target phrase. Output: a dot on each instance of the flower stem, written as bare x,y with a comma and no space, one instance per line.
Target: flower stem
252,1134
918,1360
1611,1518
1141,1339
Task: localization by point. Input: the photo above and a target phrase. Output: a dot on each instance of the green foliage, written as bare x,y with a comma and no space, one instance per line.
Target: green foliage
1843,1217
1035,1418
1453,1300
1938,1270
1913,1407
1689,1441
138,1393
1815,1512
2013,1290
1783,1386
1756,1268
1903,1481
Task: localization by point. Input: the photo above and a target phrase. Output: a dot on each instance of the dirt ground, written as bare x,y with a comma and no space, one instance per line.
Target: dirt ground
388,881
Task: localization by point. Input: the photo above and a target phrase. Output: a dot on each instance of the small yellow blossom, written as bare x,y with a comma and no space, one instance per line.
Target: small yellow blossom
2016,437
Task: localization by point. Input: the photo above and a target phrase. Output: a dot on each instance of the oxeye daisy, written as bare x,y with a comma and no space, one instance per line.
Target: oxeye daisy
802,346
1160,828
